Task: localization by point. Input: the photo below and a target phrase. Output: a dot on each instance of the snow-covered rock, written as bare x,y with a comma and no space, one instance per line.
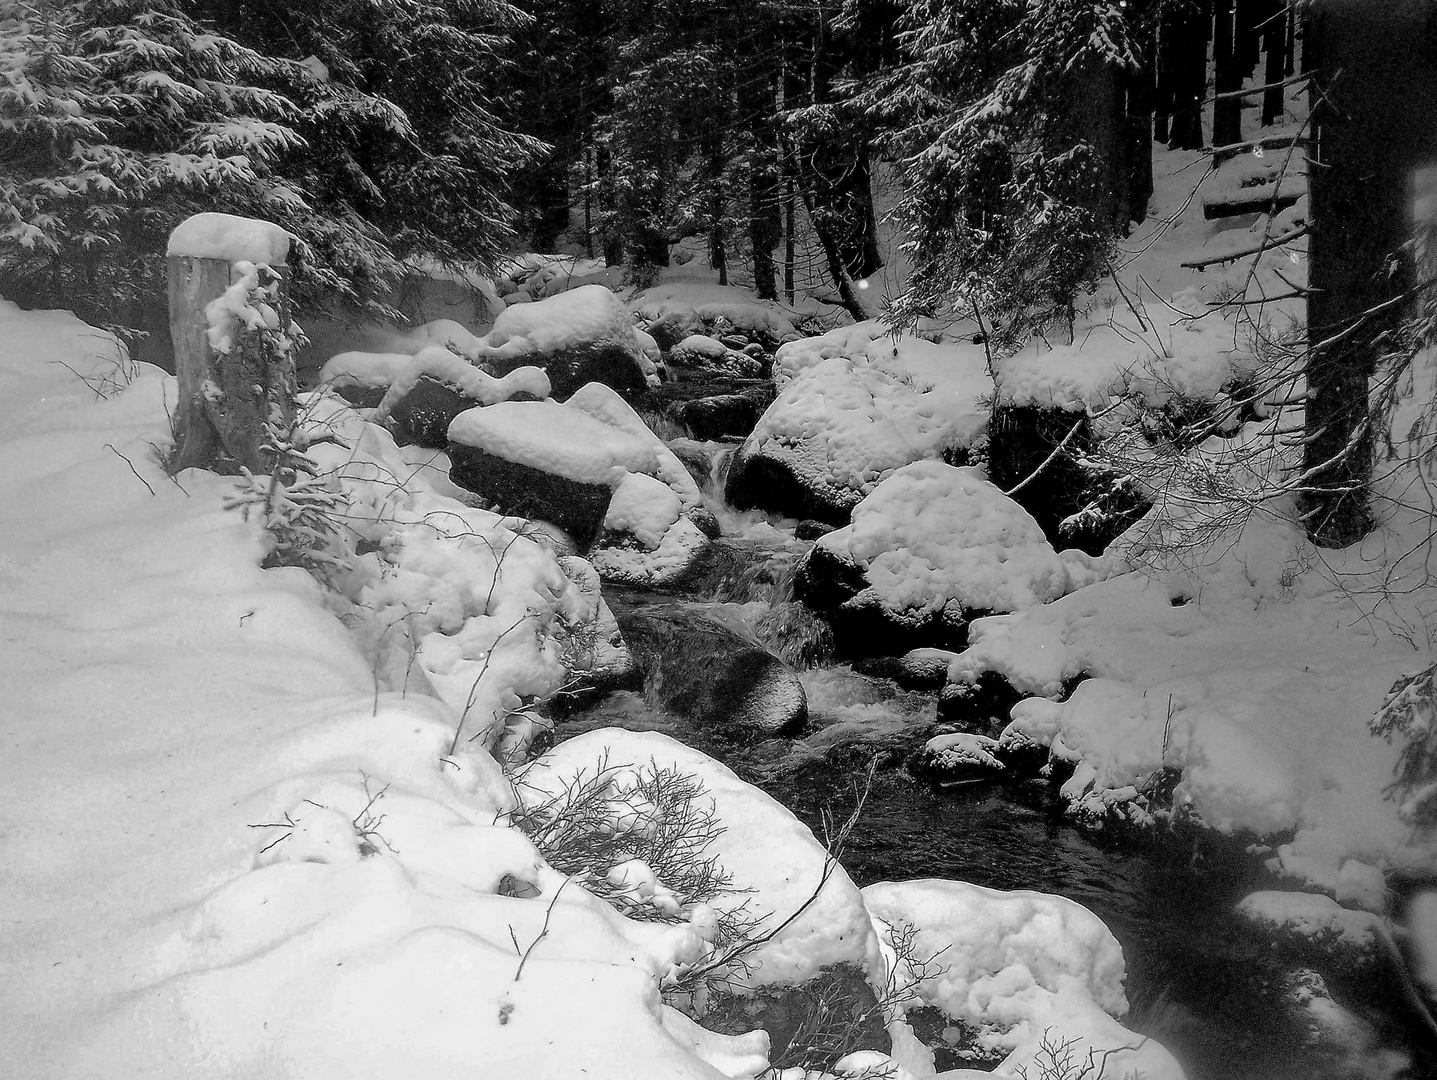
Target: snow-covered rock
580,336
832,434
674,310
592,467
1020,967
1315,931
700,356
929,549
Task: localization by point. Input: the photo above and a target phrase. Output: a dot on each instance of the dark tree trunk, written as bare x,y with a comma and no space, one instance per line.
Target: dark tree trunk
1138,122
613,238
1182,65
1276,42
1227,77
758,104
1371,97
1097,115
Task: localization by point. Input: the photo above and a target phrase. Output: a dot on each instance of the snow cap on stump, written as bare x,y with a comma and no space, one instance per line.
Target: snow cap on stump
231,238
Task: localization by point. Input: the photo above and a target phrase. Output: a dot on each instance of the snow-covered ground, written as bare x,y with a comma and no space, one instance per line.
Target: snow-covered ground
239,841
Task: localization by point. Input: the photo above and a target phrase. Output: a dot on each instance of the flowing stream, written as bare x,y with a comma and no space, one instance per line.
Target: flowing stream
1199,979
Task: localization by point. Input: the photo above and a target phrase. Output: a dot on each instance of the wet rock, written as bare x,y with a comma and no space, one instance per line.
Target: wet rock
723,416
808,529
981,706
697,459
801,1020
708,672
523,491
423,415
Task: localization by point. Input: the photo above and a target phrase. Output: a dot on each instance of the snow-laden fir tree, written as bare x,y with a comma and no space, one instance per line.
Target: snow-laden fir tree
118,119
1008,116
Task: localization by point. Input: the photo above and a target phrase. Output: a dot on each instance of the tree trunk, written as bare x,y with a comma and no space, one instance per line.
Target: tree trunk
1138,121
1275,41
1227,77
226,400
1182,63
1370,126
758,104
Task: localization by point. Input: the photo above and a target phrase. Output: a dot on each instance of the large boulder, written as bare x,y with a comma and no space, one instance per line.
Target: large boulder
594,468
540,459
831,435
674,310
930,549
580,336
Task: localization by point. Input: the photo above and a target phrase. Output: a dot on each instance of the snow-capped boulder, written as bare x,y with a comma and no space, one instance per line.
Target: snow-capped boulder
831,435
1022,969
931,548
961,756
436,386
540,459
580,336
592,467
699,356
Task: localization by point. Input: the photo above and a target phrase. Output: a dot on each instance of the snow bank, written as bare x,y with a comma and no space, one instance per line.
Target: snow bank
930,537
1020,967
1247,678
234,239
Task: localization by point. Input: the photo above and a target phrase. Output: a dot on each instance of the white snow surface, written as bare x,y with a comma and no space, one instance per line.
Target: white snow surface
229,237
194,885
645,507
932,538
1019,966
603,402
843,426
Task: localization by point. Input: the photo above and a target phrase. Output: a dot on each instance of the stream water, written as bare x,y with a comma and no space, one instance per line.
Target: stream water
1199,979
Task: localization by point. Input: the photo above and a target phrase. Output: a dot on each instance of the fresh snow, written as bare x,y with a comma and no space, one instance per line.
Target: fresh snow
590,315
232,238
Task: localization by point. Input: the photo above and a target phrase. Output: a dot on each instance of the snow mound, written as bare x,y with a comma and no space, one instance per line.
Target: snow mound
1021,967
1313,916
231,238
604,403
931,537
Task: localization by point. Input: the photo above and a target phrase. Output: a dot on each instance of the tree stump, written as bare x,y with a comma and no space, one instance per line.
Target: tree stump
226,400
